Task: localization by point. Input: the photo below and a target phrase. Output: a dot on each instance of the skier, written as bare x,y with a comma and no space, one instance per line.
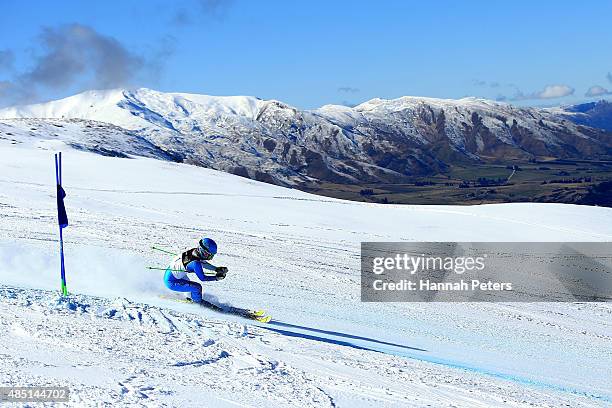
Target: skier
194,260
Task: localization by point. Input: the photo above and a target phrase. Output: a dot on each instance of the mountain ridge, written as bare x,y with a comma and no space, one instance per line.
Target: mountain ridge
379,140
596,114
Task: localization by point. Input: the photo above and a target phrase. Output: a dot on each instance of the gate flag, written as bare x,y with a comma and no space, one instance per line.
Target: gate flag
62,217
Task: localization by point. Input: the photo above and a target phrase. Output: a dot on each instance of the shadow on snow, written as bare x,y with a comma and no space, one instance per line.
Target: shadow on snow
285,330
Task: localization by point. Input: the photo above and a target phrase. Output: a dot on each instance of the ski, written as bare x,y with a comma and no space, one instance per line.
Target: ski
257,315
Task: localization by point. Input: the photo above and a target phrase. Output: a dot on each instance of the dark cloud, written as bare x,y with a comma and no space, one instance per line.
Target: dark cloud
216,9
75,51
597,90
76,56
348,89
7,59
5,87
182,17
348,104
609,76
155,64
479,82
10,92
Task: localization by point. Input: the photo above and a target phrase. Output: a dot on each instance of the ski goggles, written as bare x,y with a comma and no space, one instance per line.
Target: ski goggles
205,254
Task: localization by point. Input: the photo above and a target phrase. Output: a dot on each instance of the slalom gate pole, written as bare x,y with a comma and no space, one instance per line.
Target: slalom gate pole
58,180
63,269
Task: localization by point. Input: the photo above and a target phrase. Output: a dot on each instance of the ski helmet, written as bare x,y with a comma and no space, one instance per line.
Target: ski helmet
207,248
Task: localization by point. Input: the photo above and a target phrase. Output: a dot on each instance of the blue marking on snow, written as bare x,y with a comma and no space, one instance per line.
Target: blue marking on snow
504,376
373,345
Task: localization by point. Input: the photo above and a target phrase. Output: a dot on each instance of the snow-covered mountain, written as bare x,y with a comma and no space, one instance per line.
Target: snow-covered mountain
267,140
594,114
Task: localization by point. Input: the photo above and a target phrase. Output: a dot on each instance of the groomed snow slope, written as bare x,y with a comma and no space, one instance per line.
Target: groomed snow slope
294,254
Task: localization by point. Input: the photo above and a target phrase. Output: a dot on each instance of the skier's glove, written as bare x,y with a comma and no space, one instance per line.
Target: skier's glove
221,272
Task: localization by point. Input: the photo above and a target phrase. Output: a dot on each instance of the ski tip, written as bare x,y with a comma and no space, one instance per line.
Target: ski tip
260,316
262,319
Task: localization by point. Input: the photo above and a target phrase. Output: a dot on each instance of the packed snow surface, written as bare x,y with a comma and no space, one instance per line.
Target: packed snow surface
116,341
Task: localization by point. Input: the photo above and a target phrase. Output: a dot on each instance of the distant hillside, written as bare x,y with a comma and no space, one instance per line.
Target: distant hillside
379,141
593,114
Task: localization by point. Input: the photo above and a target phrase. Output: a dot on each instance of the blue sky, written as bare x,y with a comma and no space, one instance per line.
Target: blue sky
309,53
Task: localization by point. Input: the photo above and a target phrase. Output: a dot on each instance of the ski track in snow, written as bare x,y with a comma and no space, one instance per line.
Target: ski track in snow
296,255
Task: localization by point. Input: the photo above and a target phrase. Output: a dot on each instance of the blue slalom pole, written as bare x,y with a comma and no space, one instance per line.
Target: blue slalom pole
63,287
60,198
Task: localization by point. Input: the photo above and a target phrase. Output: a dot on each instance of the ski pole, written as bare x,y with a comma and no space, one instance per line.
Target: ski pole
164,269
163,250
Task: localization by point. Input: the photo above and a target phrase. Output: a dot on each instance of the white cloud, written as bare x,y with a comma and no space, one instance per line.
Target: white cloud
597,90
554,91
549,92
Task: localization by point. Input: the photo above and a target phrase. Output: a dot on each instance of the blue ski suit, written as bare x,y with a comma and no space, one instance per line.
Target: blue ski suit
176,277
